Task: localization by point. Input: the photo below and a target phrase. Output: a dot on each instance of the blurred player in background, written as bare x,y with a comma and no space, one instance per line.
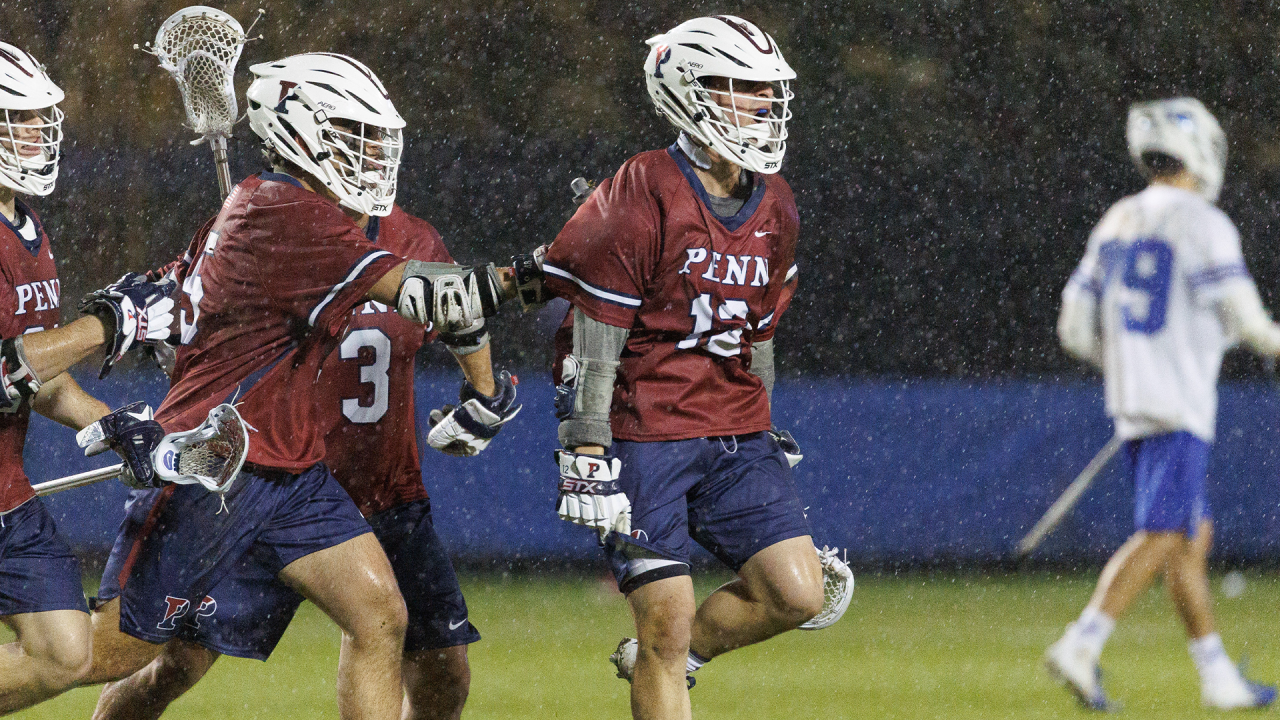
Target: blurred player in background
366,394
678,269
1161,294
41,597
268,288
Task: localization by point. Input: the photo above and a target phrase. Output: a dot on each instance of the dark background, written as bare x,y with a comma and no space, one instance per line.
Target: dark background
948,157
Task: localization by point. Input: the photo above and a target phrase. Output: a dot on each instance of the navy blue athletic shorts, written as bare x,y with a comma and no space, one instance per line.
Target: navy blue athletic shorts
38,572
732,495
1169,473
254,607
177,543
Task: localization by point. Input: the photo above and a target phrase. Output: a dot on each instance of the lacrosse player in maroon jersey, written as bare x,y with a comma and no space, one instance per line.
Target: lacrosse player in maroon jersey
678,270
267,290
41,598
366,394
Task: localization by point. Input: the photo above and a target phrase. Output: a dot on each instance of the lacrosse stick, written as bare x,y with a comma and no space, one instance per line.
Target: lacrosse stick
1060,507
837,589
200,46
211,455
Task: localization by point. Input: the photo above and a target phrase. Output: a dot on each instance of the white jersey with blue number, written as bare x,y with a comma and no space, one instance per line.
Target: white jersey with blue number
1157,264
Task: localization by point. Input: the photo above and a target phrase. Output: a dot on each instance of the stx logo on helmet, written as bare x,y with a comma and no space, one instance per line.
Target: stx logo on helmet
176,608
664,55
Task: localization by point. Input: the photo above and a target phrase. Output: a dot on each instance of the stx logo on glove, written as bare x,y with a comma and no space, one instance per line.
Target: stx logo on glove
592,487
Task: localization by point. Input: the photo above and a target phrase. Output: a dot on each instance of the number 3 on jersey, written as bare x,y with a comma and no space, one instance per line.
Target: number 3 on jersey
375,373
194,290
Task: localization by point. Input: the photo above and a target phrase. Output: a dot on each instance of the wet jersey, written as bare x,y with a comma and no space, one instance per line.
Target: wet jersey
365,391
646,253
29,302
265,296
1157,264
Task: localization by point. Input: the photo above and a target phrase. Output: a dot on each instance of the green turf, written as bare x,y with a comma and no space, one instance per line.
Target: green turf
910,647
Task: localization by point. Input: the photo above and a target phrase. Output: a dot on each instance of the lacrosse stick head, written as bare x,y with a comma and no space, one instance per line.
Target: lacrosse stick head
837,589
200,47
211,454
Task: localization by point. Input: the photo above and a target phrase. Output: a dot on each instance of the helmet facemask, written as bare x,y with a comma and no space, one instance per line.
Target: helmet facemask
364,158
744,121
29,149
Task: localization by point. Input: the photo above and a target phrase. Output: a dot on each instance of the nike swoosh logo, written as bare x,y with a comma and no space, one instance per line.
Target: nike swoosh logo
762,233
455,626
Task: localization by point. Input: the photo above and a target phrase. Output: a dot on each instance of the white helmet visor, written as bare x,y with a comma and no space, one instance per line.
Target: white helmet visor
29,143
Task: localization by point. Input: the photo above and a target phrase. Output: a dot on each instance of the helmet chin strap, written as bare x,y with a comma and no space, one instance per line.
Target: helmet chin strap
696,154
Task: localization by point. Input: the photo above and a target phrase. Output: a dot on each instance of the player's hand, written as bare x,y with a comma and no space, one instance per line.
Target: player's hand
590,494
134,311
469,427
133,434
789,446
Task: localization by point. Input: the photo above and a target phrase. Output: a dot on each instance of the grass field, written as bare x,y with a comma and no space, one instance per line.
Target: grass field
913,646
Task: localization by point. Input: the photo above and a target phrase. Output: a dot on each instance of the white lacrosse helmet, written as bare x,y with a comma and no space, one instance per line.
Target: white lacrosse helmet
1183,129
32,131
329,115
728,47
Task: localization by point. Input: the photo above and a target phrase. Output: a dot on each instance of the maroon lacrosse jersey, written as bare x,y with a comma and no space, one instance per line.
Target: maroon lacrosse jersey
365,392
646,253
265,297
29,293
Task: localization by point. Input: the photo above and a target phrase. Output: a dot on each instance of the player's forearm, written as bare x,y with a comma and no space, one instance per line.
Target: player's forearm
52,352
762,365
477,367
63,401
589,378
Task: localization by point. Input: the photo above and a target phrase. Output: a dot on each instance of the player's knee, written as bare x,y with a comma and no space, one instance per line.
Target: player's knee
437,684
67,664
383,618
666,637
797,603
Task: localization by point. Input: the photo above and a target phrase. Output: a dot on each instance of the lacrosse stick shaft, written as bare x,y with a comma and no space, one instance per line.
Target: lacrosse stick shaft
219,146
75,481
1063,505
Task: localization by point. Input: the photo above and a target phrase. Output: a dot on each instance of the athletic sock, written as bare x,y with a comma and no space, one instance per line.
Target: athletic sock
1092,630
1211,658
694,662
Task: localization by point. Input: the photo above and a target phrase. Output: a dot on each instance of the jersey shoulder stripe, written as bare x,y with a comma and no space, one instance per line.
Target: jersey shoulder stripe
1214,275
368,258
611,296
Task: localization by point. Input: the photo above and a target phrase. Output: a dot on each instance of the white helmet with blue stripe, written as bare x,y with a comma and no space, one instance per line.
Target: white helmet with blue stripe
1182,129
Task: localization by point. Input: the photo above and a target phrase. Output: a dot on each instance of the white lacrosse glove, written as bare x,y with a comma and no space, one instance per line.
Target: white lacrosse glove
468,428
590,494
788,444
135,310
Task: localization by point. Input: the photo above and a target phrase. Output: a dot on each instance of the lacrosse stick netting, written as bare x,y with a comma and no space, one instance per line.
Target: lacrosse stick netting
837,589
200,46
210,455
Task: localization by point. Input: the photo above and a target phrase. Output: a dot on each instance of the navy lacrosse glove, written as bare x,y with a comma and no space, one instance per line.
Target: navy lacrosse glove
134,310
789,446
133,434
469,427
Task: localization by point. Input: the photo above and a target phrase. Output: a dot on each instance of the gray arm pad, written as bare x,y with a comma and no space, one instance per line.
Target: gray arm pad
762,364
596,347
432,270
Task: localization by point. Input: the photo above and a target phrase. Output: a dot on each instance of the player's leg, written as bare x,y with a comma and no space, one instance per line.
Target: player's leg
51,654
436,683
116,654
1222,685
663,612
779,588
353,584
43,603
437,676
747,512
147,693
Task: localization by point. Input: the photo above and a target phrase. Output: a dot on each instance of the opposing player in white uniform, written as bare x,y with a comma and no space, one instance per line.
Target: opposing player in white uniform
1161,294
